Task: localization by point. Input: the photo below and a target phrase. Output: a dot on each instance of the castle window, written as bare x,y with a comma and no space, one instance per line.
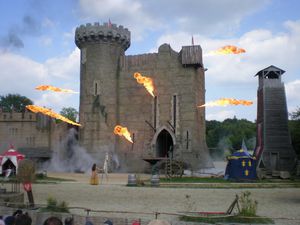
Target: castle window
96,88
13,131
174,111
155,111
30,141
187,140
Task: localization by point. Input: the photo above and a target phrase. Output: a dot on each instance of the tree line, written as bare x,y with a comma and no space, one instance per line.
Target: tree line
223,138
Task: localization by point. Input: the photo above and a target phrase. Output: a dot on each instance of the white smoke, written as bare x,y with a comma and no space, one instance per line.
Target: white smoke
70,157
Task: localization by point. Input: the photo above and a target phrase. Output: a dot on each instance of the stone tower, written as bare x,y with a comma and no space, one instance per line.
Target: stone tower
274,150
101,46
167,125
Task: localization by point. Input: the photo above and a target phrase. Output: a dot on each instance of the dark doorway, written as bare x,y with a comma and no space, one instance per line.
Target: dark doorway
8,165
274,161
164,144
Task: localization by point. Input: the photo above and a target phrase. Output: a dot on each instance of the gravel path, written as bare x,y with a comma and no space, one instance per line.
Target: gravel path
114,195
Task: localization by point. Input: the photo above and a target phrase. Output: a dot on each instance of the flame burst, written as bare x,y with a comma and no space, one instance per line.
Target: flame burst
226,102
49,112
123,131
228,49
52,88
146,81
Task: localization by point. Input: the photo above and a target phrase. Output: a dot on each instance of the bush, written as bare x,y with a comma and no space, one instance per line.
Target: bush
248,206
54,206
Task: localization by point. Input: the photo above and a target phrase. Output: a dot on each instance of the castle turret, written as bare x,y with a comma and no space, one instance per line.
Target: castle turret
102,47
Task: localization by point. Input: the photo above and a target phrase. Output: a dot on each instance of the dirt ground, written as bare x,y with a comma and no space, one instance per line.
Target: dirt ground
114,195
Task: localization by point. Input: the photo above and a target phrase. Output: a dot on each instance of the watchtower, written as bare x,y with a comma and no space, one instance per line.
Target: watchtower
274,150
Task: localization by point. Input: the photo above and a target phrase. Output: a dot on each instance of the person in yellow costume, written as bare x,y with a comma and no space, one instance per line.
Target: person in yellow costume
94,178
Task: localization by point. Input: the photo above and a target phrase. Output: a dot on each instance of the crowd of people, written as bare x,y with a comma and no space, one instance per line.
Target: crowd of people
20,218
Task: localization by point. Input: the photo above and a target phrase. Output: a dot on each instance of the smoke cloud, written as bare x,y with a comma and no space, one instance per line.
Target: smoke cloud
16,34
71,157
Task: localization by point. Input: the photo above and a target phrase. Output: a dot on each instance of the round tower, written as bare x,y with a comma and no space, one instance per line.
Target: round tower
102,47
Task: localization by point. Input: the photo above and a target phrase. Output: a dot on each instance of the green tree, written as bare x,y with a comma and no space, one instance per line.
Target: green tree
69,113
227,136
14,102
296,115
294,126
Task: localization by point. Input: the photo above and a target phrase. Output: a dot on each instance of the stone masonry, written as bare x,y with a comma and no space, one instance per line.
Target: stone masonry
167,125
35,135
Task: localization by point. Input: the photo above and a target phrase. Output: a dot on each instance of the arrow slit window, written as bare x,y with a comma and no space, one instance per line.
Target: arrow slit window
96,87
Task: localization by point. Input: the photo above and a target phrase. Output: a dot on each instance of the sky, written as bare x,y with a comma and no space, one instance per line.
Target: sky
37,44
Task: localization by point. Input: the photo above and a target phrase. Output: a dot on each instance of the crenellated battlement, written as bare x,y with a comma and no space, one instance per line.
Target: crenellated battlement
17,116
102,33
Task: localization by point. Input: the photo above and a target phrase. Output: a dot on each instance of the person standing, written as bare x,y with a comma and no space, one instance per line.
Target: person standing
94,178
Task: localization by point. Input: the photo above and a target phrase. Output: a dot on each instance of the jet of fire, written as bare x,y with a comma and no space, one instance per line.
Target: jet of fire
49,112
146,81
123,131
52,88
226,102
228,49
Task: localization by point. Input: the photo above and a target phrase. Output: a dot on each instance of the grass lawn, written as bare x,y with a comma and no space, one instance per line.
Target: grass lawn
221,180
228,219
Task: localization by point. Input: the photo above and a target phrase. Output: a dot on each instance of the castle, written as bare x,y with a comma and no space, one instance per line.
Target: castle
167,125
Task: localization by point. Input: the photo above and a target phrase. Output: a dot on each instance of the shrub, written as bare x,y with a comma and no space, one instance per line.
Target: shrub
54,206
248,205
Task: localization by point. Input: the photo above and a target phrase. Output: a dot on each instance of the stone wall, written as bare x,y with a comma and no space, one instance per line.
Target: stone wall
110,96
32,132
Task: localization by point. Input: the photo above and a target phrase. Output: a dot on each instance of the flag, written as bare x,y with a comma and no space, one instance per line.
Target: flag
192,40
109,23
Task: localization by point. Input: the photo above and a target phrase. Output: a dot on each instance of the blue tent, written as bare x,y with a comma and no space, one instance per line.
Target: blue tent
241,166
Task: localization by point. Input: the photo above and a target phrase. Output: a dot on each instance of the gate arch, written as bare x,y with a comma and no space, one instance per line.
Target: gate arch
164,141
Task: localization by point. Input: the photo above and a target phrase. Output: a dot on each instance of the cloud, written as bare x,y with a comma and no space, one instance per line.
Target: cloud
206,16
220,115
21,75
125,12
292,90
263,48
13,39
233,75
47,23
18,73
46,41
56,101
64,67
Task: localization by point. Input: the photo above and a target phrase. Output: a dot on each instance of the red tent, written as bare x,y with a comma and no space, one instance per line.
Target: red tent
10,156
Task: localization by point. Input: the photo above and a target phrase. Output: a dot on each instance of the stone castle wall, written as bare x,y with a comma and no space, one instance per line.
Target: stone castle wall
30,131
23,130
109,95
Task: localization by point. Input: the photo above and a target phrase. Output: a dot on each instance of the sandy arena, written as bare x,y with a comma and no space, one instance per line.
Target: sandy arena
114,195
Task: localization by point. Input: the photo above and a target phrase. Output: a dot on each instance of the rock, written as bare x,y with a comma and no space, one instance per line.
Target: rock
284,174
